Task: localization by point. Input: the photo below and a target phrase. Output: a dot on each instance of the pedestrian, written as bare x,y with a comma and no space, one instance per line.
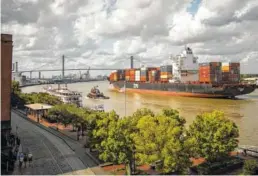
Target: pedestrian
18,141
25,160
245,154
21,158
30,158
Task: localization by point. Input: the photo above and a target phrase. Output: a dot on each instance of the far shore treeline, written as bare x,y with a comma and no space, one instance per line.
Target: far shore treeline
144,137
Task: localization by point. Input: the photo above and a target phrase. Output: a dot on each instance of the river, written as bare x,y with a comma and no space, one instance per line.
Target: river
243,111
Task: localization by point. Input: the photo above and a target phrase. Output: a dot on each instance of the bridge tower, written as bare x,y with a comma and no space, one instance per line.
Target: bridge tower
63,69
39,75
16,67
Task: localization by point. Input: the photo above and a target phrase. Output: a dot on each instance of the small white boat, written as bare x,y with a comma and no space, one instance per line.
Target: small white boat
98,108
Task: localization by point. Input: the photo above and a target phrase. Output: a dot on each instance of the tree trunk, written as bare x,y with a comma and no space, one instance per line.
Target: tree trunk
128,168
82,129
73,128
86,136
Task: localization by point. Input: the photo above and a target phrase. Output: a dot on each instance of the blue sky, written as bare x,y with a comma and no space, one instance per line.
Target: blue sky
193,8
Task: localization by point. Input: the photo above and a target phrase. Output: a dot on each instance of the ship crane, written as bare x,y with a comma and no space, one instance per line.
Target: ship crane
88,74
85,75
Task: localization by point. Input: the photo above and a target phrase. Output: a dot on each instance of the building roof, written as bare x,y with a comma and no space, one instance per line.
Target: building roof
38,106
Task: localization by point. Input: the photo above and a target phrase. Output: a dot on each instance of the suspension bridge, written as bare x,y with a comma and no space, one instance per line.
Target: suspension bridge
19,76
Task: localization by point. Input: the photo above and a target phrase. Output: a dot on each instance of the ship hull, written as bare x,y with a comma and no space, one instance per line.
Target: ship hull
182,89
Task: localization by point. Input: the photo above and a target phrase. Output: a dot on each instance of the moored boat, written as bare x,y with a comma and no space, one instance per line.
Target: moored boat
65,95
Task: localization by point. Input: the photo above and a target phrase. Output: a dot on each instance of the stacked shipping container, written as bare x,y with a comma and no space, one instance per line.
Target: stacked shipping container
131,74
230,72
144,74
153,74
210,72
137,75
165,73
120,75
127,75
113,76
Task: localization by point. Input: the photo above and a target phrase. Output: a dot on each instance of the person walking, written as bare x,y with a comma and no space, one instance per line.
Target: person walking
21,158
25,160
30,158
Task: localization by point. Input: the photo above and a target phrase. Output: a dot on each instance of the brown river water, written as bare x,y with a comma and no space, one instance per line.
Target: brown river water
243,111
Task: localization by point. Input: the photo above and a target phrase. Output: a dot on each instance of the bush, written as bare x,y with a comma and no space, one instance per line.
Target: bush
219,167
250,167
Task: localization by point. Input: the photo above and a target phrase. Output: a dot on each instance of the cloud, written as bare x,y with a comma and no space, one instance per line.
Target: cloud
105,33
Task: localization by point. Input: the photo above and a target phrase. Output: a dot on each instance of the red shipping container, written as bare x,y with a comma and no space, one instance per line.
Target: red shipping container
131,78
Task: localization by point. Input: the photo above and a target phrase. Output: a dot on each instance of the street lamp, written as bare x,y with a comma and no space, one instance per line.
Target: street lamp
125,95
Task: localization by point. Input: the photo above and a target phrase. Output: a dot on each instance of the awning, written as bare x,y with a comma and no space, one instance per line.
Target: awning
38,106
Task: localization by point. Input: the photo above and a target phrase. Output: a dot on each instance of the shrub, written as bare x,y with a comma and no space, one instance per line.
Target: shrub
250,167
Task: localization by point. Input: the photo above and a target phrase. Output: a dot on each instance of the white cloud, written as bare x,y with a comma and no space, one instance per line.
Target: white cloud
18,29
105,33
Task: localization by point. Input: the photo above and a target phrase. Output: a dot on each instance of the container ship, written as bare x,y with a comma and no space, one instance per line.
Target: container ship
183,77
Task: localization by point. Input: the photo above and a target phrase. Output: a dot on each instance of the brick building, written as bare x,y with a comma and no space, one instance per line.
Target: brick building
6,78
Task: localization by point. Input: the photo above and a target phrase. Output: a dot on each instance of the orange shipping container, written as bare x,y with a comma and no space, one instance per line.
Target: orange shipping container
143,78
127,72
225,68
163,79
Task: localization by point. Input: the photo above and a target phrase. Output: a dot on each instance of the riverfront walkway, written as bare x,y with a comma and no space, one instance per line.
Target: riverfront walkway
52,154
68,132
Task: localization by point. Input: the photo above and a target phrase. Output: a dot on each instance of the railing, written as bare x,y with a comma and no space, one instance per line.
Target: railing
249,150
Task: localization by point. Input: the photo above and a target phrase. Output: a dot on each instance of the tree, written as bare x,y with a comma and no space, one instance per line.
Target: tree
100,133
16,87
16,94
118,146
214,136
162,138
250,167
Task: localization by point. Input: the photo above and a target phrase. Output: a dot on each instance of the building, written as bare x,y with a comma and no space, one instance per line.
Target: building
20,78
6,78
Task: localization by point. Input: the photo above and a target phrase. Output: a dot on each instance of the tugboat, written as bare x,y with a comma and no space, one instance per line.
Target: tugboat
96,94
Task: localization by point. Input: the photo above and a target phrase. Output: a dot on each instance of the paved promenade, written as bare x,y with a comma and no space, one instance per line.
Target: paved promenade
51,154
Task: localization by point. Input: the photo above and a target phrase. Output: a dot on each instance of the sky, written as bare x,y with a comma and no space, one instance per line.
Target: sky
105,33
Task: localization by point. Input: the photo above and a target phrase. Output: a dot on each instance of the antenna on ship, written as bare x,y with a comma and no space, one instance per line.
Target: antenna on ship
131,58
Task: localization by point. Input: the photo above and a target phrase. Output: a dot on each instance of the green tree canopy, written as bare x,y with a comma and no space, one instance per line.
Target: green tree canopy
100,132
161,138
214,135
16,87
118,146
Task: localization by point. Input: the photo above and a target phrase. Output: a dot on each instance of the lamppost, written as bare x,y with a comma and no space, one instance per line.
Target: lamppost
134,164
125,95
16,130
16,135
